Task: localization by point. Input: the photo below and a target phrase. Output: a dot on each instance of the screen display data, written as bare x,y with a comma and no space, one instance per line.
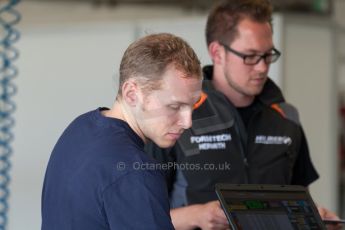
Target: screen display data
270,210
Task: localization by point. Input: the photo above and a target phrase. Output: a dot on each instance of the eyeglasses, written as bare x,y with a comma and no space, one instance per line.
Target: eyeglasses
254,59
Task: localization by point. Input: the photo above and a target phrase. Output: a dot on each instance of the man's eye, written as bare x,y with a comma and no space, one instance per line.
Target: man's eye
174,107
252,57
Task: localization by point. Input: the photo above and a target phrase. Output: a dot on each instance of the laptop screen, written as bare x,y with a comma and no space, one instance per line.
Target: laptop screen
269,207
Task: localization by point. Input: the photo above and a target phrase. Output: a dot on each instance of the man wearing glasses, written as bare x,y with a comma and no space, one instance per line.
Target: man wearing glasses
243,131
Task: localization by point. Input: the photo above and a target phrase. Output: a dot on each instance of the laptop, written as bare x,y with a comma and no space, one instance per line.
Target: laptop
264,207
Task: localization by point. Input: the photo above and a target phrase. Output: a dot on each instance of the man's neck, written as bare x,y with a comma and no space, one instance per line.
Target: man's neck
120,111
238,99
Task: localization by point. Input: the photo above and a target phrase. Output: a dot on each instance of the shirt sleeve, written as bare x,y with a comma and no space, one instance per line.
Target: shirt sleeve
164,156
304,172
138,200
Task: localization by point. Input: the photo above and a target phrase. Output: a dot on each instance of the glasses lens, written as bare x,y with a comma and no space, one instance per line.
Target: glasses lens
252,59
268,58
272,58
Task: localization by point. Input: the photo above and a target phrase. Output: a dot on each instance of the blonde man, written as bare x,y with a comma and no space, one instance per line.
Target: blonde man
98,176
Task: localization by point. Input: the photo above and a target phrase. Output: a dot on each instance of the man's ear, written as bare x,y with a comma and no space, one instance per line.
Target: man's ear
216,52
130,92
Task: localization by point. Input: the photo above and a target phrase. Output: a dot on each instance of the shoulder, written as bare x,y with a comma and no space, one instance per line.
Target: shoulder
287,111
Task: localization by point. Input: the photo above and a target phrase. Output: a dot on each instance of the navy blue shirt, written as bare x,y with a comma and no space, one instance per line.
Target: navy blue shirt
93,180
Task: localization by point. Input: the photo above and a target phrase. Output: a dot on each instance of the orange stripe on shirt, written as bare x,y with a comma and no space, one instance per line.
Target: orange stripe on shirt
277,108
202,99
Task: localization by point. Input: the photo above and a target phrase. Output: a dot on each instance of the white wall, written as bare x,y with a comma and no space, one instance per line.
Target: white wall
310,84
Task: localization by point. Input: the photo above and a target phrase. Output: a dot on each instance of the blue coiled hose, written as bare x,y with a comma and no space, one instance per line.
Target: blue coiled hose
8,54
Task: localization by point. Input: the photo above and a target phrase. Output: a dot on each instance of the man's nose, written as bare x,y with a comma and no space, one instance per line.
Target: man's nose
185,120
262,66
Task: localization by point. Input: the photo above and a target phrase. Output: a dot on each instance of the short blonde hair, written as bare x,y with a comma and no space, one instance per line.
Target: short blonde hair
148,58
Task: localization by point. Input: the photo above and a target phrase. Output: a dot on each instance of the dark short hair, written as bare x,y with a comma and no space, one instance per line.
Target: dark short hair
225,16
148,58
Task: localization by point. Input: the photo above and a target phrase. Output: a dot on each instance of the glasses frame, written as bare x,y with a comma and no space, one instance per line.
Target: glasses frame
276,53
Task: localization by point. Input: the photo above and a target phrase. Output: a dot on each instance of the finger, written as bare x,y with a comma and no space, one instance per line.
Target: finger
222,220
220,212
322,211
218,226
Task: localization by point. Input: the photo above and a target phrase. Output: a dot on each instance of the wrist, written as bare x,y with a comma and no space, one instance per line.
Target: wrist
186,218
197,217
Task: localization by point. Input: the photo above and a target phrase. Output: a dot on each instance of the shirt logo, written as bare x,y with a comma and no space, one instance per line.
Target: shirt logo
206,142
273,140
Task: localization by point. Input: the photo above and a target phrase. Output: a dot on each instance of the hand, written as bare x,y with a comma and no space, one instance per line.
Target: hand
327,214
212,217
